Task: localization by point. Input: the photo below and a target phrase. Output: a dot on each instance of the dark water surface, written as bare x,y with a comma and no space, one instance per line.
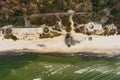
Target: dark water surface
43,67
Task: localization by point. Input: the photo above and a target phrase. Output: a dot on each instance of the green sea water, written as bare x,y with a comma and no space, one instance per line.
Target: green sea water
43,67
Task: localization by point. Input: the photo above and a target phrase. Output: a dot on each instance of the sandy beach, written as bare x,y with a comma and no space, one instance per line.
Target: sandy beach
99,45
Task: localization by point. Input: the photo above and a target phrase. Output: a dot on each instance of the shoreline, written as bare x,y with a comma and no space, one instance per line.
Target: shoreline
58,54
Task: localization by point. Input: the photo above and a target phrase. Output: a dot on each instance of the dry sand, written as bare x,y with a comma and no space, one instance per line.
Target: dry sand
99,45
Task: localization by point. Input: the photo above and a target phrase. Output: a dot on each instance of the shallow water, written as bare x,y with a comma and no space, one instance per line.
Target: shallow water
42,67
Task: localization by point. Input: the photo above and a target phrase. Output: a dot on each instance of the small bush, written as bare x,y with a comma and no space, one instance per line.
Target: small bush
45,36
53,34
68,29
119,32
112,32
11,36
56,33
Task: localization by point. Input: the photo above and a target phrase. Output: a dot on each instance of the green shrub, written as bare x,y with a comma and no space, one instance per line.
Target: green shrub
11,36
56,34
16,21
45,36
68,29
53,34
118,32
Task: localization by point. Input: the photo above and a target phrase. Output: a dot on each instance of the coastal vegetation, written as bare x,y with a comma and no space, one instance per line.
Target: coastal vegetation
43,35
49,35
12,11
40,12
68,29
55,34
10,36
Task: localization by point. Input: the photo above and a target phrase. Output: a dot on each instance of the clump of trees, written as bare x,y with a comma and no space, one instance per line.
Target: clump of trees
99,5
15,9
16,21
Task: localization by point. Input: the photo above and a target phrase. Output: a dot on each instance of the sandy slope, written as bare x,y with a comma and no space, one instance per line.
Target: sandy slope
104,45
